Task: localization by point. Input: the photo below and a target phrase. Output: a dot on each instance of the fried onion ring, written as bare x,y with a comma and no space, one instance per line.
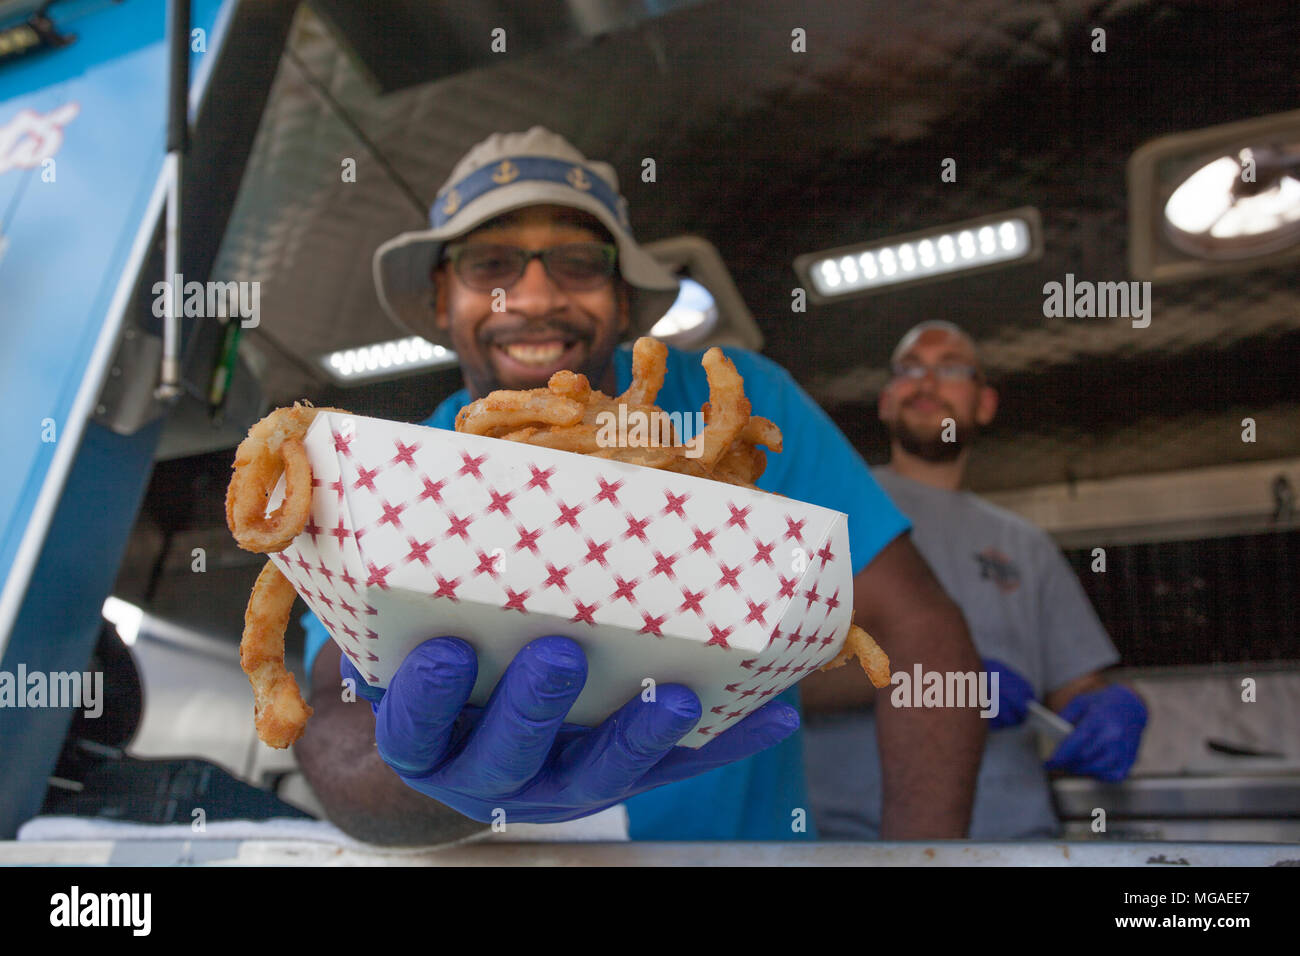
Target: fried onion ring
568,415
572,385
727,410
762,431
649,366
505,411
280,712
872,657
742,464
273,447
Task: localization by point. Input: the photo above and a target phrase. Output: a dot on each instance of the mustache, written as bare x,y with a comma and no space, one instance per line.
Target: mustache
908,403
559,326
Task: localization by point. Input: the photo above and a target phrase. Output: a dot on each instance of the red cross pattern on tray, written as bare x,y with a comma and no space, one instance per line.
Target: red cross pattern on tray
795,647
333,588
517,540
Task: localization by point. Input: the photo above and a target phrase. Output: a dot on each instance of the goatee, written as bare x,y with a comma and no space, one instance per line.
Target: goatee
927,447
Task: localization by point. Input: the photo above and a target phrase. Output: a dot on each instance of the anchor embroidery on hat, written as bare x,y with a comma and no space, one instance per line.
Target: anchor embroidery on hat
507,172
511,173
577,178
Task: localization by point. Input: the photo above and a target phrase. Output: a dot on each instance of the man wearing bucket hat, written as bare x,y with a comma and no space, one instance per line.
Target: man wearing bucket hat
531,267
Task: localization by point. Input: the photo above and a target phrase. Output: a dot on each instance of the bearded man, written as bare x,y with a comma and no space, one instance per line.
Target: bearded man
1028,616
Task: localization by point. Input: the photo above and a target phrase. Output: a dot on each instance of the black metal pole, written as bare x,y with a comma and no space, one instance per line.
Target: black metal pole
178,86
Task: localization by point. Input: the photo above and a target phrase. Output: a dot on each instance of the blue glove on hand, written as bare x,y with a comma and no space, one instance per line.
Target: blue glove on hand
516,753
1014,695
1107,730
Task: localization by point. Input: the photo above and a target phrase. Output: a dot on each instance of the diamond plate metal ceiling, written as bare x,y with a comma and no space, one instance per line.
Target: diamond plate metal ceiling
770,153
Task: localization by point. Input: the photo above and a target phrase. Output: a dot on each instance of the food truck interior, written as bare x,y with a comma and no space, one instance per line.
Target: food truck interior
1165,438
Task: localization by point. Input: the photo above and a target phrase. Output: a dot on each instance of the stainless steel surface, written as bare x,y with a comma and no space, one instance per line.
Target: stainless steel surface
1187,797
198,704
127,401
406,43
1189,831
494,852
1184,505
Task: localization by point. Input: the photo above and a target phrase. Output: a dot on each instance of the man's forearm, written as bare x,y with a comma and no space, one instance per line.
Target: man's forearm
361,794
929,756
841,689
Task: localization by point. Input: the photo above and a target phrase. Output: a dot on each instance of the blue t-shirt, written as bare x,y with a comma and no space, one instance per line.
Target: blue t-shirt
756,798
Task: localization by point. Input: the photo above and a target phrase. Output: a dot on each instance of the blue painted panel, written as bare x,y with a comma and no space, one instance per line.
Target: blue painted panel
60,620
97,108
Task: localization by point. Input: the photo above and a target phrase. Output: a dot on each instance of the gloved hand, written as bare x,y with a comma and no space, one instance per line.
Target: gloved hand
1107,730
517,754
1014,695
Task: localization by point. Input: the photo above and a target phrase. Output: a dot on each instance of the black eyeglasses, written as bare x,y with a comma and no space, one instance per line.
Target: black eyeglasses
950,372
574,266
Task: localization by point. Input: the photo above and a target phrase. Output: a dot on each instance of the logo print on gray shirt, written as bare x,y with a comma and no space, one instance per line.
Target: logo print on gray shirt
996,566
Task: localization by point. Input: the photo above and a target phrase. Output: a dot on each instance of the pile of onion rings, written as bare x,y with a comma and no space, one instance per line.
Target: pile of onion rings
273,447
566,415
569,415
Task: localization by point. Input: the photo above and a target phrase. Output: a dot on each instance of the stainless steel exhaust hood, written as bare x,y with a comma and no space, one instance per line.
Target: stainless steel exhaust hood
404,44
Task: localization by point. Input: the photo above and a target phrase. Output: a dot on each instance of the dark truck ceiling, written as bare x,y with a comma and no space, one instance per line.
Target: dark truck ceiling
769,153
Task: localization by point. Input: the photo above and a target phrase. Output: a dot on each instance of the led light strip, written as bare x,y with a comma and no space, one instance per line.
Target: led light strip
924,255
385,360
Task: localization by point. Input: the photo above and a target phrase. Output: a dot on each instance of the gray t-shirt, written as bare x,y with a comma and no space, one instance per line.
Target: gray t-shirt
1024,607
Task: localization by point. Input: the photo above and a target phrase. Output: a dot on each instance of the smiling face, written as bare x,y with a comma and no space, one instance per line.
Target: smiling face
914,410
543,327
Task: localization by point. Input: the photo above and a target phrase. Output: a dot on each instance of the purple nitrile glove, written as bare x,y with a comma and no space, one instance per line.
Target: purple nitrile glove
1014,695
516,754
1107,730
